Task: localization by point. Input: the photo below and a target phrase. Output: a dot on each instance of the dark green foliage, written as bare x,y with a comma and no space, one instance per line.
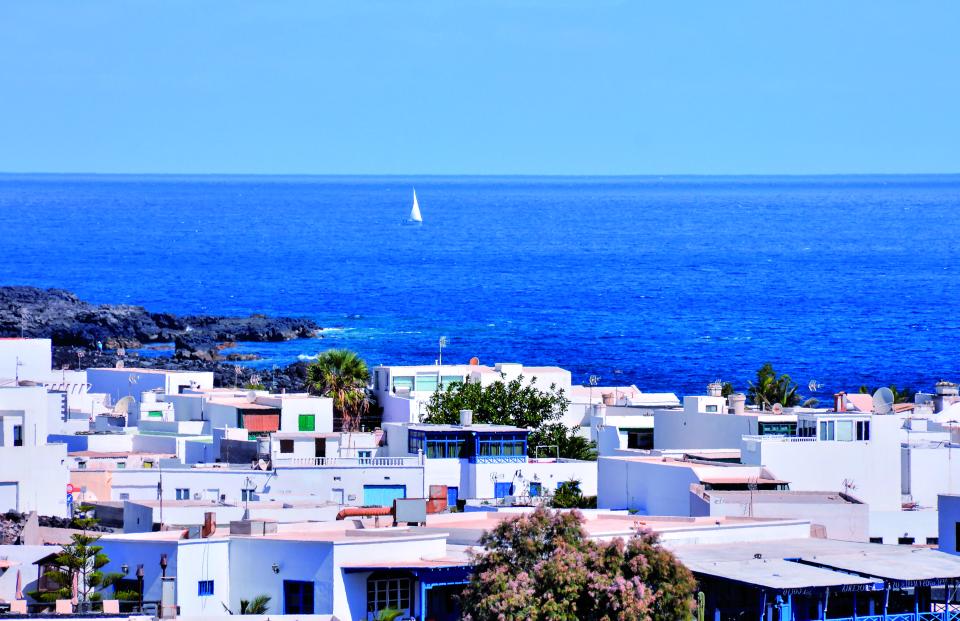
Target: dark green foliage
514,403
83,558
569,496
771,388
256,606
343,376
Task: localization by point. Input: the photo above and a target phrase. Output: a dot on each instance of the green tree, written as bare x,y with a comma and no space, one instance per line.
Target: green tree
259,605
343,376
516,403
569,496
900,395
82,561
771,388
543,566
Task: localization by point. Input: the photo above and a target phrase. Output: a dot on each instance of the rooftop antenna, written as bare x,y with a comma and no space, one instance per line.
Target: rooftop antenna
813,386
883,400
594,380
443,343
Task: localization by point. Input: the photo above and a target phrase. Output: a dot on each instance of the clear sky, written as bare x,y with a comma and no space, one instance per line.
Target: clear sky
511,87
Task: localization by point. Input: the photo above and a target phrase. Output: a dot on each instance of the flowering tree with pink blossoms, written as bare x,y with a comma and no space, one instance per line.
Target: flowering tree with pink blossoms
542,566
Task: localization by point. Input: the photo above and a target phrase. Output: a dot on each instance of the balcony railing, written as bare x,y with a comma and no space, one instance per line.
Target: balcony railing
778,439
349,462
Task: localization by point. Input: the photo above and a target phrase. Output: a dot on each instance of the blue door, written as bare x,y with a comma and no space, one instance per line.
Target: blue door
453,494
502,490
382,495
536,489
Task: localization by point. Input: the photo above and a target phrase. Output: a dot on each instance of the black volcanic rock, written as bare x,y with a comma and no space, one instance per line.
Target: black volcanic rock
70,321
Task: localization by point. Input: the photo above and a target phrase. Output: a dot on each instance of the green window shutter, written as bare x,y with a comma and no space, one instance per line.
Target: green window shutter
154,414
308,422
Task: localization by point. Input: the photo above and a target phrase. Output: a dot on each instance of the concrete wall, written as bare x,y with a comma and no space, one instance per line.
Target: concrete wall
842,521
251,571
928,471
34,478
948,522
676,429
891,525
34,356
648,488
873,467
30,402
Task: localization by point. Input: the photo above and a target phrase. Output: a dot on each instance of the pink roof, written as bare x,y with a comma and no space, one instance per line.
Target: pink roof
861,402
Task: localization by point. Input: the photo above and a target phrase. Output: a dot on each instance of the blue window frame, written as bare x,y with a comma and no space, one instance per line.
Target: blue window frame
437,445
205,588
501,447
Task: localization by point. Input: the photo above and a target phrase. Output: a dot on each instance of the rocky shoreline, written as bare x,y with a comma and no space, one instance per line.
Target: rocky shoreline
76,327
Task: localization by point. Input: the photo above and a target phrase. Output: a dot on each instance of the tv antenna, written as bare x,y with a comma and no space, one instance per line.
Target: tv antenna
443,343
883,400
813,386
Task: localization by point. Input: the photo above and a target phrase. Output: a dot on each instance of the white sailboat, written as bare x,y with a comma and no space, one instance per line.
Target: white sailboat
415,217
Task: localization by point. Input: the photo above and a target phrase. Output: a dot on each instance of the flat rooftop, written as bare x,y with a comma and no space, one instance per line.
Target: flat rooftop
475,427
783,497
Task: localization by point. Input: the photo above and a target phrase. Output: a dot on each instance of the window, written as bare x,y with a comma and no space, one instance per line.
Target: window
403,383
956,536
776,429
307,422
863,430
364,454
147,464
427,383
121,465
447,380
246,495
155,414
183,493
640,439
18,435
297,597
124,496
286,446
711,409
876,539
81,465
827,430
385,591
844,431
502,445
905,541
205,588
933,541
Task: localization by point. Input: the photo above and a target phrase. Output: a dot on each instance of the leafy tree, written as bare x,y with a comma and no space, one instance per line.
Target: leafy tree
83,559
900,395
516,403
342,375
727,389
542,566
569,496
771,388
388,614
256,606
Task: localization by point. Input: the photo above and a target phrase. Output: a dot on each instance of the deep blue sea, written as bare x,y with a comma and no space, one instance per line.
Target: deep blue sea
666,283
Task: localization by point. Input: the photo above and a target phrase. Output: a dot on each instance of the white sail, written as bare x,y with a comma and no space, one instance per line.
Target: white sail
415,210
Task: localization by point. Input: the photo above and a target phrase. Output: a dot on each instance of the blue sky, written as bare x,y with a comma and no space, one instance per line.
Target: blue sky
513,87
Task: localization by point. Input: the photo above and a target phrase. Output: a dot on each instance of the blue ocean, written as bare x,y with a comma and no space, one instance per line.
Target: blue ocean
663,282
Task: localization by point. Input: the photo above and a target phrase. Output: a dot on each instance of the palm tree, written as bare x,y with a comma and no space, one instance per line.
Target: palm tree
256,606
343,376
771,388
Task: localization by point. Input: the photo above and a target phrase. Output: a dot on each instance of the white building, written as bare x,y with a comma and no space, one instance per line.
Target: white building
132,382
33,473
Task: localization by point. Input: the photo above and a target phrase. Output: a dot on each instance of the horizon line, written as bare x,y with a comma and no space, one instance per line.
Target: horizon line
452,175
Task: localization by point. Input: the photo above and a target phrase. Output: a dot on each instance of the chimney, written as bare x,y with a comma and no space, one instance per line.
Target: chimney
840,402
945,393
209,524
736,401
715,389
466,418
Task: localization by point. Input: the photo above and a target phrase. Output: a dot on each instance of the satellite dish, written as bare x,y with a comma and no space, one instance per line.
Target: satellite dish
251,396
777,408
813,386
883,400
474,362
123,406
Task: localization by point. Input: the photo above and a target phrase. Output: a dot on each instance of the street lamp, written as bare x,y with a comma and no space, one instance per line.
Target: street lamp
140,584
163,565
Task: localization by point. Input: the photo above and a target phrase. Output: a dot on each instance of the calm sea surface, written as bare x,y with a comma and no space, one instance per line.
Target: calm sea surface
667,283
